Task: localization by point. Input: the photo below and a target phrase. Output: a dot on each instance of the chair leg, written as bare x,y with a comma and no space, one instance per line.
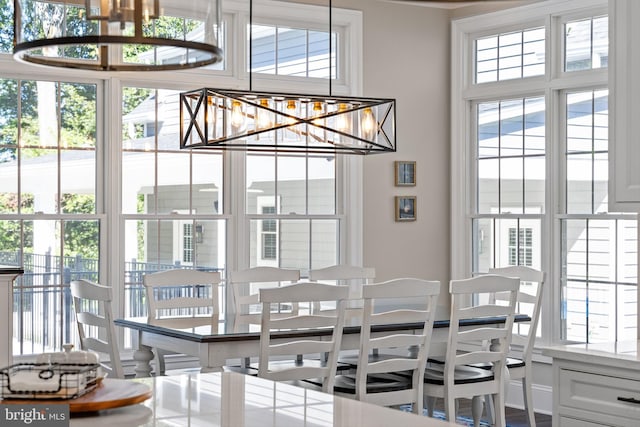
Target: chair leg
246,362
498,403
477,405
528,401
450,408
159,362
418,404
491,411
429,403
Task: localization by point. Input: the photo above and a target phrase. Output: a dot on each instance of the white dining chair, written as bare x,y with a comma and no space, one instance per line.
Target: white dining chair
283,358
519,363
456,379
395,375
347,275
94,318
181,299
343,274
245,285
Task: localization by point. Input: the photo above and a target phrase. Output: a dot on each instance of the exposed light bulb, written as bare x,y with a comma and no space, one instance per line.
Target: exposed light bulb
368,124
237,117
291,110
343,120
317,111
211,112
263,119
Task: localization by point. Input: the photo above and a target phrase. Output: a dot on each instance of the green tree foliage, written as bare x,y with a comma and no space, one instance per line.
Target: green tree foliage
78,114
80,237
6,26
12,236
8,119
131,98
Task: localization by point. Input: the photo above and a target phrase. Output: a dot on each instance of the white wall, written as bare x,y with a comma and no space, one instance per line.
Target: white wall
406,57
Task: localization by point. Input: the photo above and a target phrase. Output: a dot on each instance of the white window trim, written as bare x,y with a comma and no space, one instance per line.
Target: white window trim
462,139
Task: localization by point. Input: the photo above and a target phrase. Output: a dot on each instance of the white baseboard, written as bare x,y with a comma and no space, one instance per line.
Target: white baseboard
542,397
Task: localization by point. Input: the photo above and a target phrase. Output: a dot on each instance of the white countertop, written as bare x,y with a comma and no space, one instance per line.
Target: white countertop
623,354
229,399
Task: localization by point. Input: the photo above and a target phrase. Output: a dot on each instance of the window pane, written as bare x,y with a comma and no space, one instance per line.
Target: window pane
318,55
488,185
511,185
511,151
263,49
261,182
9,146
586,158
207,188
42,303
324,243
599,292
287,51
6,28
298,243
322,185
587,44
510,56
292,185
505,242
292,52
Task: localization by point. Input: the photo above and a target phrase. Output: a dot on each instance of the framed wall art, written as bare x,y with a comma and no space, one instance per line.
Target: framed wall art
405,208
405,174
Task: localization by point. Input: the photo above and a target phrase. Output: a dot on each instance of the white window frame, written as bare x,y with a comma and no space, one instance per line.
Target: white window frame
463,139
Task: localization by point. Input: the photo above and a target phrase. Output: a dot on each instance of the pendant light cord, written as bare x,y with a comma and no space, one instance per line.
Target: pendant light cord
330,49
250,45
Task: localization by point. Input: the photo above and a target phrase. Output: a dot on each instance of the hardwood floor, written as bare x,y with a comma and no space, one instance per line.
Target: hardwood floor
515,417
518,418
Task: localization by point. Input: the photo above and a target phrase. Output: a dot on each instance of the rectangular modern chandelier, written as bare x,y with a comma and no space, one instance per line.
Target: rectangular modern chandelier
281,122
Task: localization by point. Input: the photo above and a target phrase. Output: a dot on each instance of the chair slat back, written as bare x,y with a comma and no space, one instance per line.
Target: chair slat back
182,298
347,275
94,317
342,272
275,331
385,303
529,302
471,338
245,286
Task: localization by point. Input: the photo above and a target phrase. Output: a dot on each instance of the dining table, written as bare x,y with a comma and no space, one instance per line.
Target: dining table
215,346
229,399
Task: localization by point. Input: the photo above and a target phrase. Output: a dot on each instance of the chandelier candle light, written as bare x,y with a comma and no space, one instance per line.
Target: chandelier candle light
222,119
117,35
260,121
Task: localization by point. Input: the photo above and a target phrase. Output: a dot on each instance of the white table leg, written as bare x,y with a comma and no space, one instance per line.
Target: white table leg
143,356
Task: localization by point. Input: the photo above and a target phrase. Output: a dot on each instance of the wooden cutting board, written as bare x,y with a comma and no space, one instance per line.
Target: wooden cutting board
110,393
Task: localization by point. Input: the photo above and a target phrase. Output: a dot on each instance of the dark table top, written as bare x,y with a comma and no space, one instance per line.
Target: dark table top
7,269
204,334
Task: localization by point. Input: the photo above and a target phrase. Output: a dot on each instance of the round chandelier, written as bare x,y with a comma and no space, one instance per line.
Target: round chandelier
118,35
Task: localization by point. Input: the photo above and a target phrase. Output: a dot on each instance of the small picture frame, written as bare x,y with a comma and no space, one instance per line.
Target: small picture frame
405,174
405,208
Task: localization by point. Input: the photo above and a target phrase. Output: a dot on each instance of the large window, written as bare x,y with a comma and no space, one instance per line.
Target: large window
106,194
49,205
537,145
